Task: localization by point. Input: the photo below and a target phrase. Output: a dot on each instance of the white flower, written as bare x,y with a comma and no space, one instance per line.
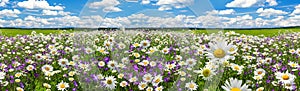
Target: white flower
165,50
47,68
260,89
121,45
30,68
125,60
123,84
170,66
63,62
2,75
235,85
285,77
191,62
88,51
260,72
110,82
112,64
237,68
102,50
157,79
101,63
160,88
207,73
142,85
220,51
191,86
293,64
19,89
133,79
152,63
149,89
144,63
147,77
145,43
62,85
178,58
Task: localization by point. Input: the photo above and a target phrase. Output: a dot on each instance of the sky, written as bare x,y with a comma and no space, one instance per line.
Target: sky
149,13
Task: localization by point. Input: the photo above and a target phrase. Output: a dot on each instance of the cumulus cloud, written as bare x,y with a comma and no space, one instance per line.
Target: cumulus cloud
3,2
270,12
296,11
38,4
173,4
55,13
132,1
250,3
107,5
9,13
145,1
222,12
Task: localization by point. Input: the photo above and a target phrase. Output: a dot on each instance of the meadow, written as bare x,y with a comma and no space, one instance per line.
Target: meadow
200,60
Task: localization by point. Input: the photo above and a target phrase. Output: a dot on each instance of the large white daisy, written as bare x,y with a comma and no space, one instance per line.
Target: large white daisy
62,85
235,85
220,50
110,82
191,86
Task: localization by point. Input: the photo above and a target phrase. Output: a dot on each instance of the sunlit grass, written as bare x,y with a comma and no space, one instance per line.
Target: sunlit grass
14,32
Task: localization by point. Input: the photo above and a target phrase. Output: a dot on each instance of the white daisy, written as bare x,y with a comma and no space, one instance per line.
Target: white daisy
144,63
165,50
123,84
260,72
293,64
219,51
149,89
178,58
112,64
62,85
157,79
101,63
235,85
191,86
110,82
142,85
47,68
285,77
191,62
30,67
237,68
170,66
145,43
2,75
63,62
160,88
147,77
207,73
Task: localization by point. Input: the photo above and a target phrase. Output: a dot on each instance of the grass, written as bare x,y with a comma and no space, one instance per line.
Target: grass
266,32
14,32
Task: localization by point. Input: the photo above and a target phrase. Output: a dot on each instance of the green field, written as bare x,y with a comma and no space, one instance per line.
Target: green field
14,32
266,32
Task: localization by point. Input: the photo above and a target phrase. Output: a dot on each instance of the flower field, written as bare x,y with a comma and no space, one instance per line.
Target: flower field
149,61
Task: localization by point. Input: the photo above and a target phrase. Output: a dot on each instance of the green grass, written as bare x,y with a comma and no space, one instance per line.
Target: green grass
14,32
266,32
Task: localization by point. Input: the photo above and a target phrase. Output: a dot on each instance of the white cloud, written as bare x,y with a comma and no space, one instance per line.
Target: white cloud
9,13
55,13
164,7
107,5
250,3
222,12
38,4
132,1
296,11
145,1
3,2
270,12
174,3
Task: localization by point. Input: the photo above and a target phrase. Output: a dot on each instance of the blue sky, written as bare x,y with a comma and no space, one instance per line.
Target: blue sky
150,13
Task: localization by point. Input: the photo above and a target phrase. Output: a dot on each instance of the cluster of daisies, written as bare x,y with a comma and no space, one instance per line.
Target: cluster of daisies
150,61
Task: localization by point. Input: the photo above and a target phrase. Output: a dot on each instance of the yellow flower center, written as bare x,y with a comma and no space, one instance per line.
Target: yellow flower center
206,72
259,72
285,77
236,67
143,85
157,81
219,53
235,89
191,86
231,49
109,81
62,86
